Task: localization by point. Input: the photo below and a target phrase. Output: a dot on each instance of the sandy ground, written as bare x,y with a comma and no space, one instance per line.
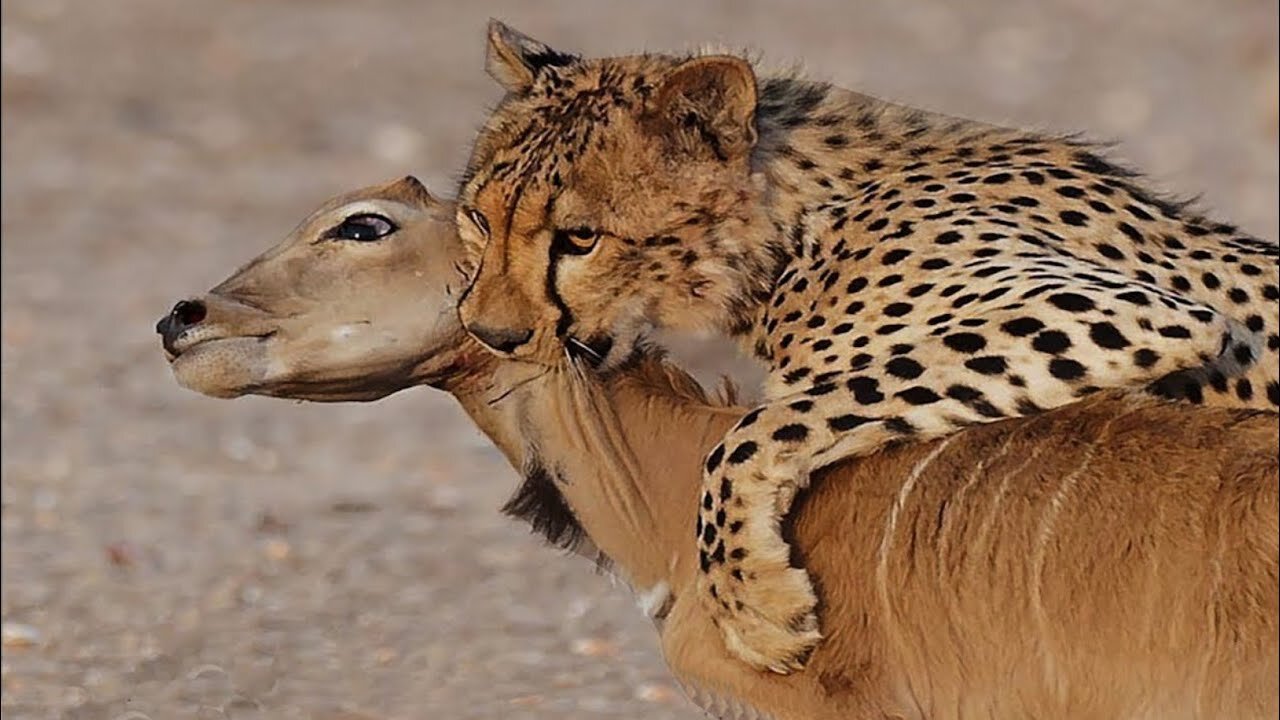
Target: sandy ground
167,555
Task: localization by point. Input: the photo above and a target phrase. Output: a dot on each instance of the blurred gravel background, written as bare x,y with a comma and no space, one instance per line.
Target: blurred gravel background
171,556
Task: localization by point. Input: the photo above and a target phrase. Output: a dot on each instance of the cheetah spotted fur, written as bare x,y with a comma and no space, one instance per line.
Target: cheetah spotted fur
903,274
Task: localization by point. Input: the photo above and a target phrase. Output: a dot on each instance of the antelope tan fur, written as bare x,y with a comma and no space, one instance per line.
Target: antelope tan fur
1116,558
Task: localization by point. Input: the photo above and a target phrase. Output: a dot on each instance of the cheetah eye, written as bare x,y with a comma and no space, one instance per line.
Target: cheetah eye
365,227
478,219
576,241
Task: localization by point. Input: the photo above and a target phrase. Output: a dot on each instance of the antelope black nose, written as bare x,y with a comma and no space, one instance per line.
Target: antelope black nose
501,340
183,315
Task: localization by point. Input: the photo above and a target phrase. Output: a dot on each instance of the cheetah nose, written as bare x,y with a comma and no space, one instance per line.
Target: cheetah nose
185,314
502,340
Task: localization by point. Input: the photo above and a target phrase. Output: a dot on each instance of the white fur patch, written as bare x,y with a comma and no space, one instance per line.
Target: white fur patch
652,600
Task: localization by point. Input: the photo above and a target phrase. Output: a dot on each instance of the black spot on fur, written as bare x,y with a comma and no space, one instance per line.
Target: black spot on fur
1071,302
974,399
899,426
1138,212
843,423
726,491
1131,232
1066,369
1135,297
918,395
897,309
713,460
1073,217
743,453
819,390
1145,357
895,256
987,364
1051,342
708,534
904,367
793,432
965,342
1110,252
866,390
1022,327
1105,335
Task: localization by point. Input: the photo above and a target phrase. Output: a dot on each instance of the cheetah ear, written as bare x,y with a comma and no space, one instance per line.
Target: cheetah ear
515,59
708,103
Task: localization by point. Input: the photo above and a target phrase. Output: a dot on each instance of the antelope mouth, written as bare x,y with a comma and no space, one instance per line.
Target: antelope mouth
220,365
188,343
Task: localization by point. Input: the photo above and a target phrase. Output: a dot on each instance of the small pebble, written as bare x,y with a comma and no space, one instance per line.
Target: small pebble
121,555
595,647
270,523
277,550
20,635
352,506
657,693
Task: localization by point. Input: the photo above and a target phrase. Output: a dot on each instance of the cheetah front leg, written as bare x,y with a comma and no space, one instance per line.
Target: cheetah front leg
762,604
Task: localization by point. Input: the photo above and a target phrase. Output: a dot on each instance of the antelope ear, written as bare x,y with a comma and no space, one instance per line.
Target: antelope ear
514,59
412,189
708,103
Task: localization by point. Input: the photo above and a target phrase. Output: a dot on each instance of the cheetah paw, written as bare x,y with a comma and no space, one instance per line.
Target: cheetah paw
773,626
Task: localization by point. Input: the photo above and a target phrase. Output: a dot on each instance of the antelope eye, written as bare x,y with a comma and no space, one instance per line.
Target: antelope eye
577,241
366,227
479,220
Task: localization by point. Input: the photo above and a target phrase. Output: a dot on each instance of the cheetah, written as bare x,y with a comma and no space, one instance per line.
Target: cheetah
903,274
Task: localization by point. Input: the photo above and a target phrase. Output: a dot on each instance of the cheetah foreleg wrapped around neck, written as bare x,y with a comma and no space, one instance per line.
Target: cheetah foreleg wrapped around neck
1044,350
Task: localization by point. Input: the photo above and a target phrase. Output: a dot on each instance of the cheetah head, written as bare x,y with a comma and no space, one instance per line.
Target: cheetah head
607,197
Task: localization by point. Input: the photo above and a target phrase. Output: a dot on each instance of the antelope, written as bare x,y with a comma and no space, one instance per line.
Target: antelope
1114,558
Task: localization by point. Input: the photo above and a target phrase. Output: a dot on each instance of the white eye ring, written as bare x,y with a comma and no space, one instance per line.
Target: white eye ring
478,219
